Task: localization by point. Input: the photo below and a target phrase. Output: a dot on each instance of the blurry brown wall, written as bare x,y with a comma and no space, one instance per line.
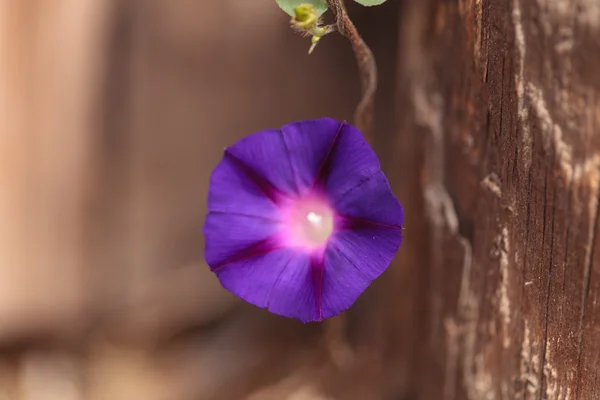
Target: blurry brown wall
112,115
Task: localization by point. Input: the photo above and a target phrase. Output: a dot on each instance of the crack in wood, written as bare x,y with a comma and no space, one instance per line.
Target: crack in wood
586,287
545,342
567,236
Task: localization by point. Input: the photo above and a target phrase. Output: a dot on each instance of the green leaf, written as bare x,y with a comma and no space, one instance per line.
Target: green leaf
370,2
290,5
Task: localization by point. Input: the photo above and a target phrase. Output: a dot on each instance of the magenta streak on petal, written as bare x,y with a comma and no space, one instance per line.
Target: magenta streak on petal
270,191
257,249
317,266
348,222
289,157
326,164
361,182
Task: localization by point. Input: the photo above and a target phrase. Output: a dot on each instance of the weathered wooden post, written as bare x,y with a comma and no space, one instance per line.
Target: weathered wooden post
499,132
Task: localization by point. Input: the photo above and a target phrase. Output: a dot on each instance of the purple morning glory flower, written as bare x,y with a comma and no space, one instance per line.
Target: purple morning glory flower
301,219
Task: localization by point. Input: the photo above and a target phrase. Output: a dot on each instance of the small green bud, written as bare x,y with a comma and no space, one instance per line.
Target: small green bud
307,22
305,17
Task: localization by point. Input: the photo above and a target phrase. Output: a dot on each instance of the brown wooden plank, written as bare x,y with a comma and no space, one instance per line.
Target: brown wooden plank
501,98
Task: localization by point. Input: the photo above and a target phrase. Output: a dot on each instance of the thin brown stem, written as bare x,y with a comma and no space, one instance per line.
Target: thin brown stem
367,68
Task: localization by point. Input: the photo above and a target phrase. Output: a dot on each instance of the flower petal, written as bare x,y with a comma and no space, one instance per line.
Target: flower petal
232,237
297,291
253,279
350,162
342,283
249,261
330,154
281,279
371,202
370,234
352,261
370,250
309,144
265,156
232,191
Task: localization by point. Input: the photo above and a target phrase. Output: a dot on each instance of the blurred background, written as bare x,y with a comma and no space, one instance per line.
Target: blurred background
112,115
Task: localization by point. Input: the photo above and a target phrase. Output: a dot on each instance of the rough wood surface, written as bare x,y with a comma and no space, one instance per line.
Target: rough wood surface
499,112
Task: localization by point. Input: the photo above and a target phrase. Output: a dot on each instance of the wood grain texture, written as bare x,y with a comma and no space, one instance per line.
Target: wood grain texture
501,99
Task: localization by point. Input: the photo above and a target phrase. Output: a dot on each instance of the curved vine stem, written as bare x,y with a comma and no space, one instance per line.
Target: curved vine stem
367,68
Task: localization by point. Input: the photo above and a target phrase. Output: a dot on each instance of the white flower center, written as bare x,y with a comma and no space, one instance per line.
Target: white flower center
311,224
314,218
316,227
